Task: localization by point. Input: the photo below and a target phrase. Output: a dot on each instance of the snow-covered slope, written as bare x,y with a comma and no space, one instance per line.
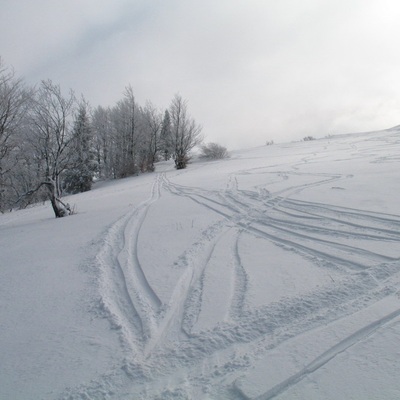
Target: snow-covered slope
272,274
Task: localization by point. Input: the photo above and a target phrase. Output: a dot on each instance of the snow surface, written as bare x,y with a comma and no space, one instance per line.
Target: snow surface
272,274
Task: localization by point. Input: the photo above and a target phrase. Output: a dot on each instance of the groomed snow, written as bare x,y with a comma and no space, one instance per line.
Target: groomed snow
272,274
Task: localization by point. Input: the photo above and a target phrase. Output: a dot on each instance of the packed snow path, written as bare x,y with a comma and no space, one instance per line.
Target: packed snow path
272,274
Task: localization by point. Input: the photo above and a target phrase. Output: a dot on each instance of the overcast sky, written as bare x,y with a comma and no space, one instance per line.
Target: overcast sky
252,70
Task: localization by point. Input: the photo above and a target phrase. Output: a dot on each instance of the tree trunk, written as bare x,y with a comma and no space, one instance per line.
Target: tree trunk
60,209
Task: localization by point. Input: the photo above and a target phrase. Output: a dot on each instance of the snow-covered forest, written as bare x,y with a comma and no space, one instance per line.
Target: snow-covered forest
274,273
52,143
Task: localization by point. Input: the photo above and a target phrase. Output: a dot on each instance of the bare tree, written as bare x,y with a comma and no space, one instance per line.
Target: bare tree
14,100
185,132
51,135
42,145
127,136
102,128
153,123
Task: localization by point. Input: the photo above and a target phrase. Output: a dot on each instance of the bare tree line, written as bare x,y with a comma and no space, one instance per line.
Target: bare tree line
52,143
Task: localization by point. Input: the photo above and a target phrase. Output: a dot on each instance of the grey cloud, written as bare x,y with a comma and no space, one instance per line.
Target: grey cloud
252,69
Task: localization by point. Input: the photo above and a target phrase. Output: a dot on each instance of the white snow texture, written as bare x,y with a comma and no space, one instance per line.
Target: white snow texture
272,274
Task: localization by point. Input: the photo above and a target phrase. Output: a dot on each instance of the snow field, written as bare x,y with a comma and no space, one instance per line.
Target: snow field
272,274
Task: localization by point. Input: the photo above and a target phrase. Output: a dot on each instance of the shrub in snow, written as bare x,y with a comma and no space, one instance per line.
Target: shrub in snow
213,151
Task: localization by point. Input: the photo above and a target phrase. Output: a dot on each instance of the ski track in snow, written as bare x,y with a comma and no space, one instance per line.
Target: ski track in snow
328,355
128,299
208,361
324,358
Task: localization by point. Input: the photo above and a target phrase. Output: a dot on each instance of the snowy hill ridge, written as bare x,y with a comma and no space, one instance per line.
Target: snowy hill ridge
272,274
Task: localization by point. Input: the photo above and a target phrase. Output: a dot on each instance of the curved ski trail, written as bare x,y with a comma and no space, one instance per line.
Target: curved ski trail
130,301
259,214
204,324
